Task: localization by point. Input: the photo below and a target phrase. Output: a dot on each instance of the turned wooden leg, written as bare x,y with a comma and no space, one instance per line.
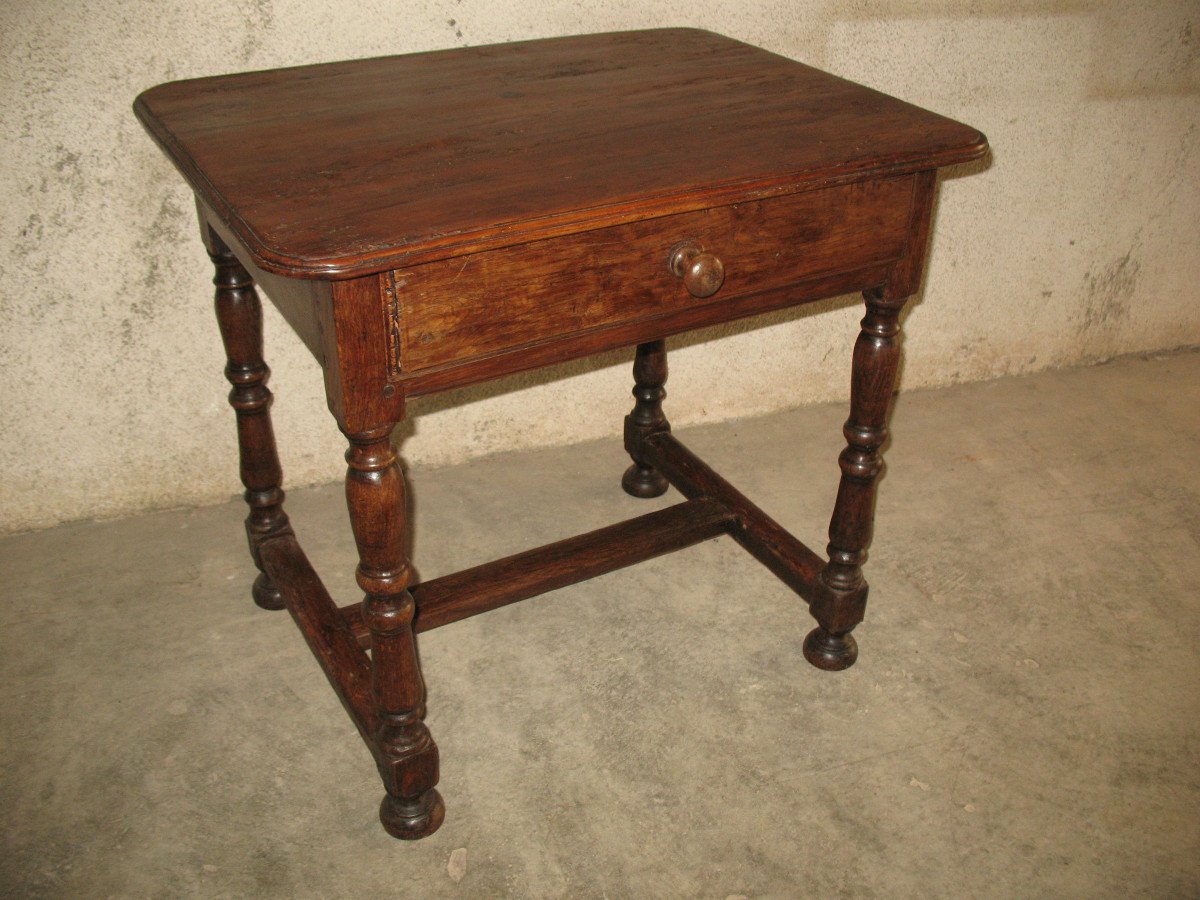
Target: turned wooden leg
239,314
841,605
649,375
404,750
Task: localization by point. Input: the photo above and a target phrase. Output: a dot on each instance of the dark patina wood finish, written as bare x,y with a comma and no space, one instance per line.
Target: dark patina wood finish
430,221
239,316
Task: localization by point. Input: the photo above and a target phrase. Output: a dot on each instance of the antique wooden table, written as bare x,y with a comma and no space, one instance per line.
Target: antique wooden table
434,220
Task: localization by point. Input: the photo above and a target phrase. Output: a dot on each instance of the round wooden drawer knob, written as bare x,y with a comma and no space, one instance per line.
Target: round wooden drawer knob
702,272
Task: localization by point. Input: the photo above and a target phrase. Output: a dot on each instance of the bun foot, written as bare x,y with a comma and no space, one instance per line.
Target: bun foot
831,652
644,482
266,594
410,820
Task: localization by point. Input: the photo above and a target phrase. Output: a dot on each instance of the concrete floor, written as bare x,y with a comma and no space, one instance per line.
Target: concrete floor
1022,721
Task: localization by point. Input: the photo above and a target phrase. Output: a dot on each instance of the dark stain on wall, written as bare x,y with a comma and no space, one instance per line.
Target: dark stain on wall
1108,293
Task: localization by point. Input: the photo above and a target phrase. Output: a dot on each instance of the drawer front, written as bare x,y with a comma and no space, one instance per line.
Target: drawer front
471,306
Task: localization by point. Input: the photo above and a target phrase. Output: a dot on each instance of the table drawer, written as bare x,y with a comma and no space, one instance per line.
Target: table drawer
470,306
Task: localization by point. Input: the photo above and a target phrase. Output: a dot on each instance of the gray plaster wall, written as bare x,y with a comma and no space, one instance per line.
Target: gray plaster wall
1074,242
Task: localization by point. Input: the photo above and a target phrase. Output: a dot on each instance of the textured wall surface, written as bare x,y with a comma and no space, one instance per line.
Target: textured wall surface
1076,241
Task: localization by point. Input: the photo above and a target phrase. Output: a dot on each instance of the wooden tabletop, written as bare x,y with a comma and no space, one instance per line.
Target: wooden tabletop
344,169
